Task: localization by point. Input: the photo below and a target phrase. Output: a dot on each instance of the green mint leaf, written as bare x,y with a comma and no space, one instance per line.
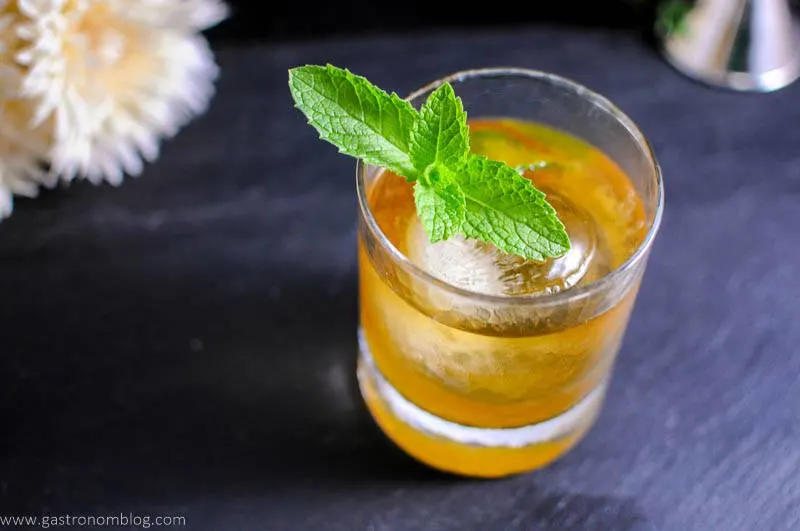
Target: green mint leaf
505,209
440,136
360,119
441,205
455,192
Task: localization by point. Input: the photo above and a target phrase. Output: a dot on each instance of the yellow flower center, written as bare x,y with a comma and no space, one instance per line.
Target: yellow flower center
105,54
97,38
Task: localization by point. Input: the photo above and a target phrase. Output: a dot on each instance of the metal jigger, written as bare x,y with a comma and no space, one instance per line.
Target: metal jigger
738,44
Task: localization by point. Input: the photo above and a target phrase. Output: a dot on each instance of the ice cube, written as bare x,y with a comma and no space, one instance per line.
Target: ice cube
482,268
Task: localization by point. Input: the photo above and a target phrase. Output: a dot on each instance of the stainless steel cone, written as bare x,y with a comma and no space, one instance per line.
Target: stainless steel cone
739,44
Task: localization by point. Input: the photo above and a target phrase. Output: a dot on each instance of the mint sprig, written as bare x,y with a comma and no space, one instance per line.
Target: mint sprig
455,192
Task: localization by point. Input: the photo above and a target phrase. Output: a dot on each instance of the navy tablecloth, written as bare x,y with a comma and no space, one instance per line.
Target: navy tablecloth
184,344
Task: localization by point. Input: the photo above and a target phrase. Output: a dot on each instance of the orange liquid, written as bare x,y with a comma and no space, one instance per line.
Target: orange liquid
514,373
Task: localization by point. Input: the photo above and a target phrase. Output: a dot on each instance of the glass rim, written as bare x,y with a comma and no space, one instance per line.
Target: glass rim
571,294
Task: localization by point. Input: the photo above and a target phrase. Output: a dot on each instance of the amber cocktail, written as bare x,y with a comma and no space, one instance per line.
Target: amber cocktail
482,363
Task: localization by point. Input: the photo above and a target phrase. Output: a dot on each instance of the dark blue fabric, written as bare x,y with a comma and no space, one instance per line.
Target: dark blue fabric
185,343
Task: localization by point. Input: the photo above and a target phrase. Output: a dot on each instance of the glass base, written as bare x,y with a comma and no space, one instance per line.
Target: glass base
469,450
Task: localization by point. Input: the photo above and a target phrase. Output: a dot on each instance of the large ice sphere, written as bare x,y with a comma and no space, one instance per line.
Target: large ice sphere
480,267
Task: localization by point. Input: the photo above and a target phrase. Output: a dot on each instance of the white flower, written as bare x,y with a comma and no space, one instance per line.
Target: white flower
112,78
22,148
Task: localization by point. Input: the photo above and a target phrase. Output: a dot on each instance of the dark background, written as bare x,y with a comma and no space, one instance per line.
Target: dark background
185,344
259,20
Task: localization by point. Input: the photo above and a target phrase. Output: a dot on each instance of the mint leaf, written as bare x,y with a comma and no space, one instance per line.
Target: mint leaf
441,205
439,141
505,209
440,136
455,192
360,119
